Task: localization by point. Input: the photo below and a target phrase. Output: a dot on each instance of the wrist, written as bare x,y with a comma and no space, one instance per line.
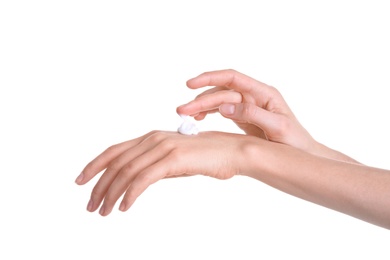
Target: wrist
256,156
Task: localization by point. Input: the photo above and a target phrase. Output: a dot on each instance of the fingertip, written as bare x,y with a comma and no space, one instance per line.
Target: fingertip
126,204
122,206
188,82
102,210
179,109
80,178
196,82
105,211
90,206
186,109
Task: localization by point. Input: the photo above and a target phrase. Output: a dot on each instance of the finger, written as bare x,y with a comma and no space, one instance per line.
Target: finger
209,91
212,90
202,115
126,176
147,177
178,176
209,102
113,169
227,78
101,162
272,124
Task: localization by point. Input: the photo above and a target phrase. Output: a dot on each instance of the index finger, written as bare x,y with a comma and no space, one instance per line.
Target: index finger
228,78
102,160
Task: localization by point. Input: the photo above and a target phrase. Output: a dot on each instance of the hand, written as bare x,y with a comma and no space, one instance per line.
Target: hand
130,167
255,107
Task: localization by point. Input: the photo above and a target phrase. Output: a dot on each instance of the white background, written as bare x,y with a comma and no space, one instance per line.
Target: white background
79,76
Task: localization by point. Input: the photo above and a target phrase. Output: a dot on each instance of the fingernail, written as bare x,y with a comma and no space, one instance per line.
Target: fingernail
122,207
80,178
227,109
101,211
90,205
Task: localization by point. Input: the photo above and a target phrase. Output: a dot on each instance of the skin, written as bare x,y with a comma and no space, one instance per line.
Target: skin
257,108
275,149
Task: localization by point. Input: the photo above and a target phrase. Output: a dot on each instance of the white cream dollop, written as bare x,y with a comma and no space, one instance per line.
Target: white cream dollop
188,127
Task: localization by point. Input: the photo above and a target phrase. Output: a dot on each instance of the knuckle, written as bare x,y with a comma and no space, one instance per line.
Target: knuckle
176,154
114,166
140,183
249,111
157,136
274,92
126,172
144,178
153,132
232,75
204,74
283,126
108,199
166,145
231,71
112,148
97,193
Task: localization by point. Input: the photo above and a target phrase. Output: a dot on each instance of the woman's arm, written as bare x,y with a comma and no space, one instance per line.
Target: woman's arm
130,167
357,190
257,108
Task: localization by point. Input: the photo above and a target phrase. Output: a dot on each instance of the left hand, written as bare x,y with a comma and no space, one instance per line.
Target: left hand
130,167
257,108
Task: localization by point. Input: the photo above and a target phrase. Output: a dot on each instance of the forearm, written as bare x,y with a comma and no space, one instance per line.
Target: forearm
357,190
324,151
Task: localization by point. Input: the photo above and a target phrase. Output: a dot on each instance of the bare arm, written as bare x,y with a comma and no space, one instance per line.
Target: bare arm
130,167
276,150
354,189
257,108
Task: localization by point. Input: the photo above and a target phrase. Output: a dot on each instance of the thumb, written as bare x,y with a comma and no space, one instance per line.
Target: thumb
252,114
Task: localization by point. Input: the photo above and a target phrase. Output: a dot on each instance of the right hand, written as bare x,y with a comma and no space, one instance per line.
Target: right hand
258,109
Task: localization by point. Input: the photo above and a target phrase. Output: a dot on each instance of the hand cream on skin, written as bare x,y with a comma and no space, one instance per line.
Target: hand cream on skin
188,127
